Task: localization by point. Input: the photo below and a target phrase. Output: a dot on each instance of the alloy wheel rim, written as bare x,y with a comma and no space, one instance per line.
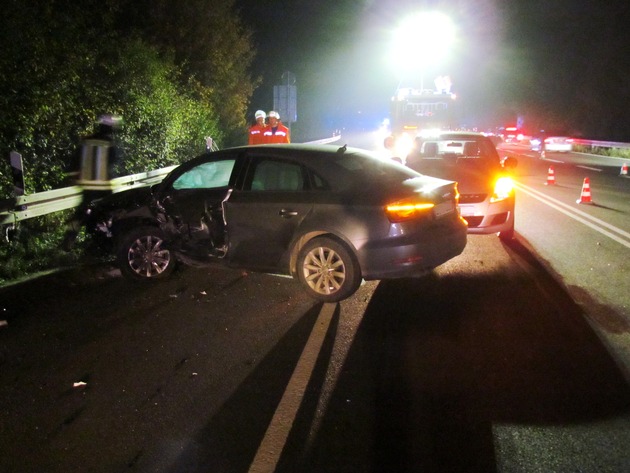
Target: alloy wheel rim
147,257
324,270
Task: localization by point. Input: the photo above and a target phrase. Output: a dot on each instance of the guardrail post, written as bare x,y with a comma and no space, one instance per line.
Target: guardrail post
15,159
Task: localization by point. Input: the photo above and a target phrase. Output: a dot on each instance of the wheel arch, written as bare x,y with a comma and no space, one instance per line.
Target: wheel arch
299,243
144,259
123,226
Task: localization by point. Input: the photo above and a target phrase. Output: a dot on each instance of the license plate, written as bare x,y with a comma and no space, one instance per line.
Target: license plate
443,208
466,211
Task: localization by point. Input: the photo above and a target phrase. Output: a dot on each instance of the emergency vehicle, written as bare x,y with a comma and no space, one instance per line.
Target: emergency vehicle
415,112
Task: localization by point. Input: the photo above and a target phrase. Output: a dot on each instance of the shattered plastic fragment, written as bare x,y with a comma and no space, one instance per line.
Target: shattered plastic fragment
79,384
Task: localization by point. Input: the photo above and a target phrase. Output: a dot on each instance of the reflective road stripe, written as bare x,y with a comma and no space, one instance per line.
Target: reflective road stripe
273,442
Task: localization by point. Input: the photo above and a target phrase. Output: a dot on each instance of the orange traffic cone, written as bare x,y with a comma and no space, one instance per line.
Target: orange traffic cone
624,170
551,177
585,197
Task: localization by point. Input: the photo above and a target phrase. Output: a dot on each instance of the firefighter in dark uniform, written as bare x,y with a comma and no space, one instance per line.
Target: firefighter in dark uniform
93,169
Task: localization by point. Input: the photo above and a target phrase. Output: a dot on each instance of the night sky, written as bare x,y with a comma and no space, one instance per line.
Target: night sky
557,64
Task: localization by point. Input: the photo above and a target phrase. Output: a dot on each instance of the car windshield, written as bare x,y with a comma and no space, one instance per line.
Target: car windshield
207,175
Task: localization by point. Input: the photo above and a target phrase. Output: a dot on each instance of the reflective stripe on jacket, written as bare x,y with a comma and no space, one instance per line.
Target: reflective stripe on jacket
256,134
281,135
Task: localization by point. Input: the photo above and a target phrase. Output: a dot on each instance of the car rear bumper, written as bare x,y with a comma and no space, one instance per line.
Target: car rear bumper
414,255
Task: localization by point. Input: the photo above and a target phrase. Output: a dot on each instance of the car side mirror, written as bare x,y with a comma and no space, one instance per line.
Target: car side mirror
509,162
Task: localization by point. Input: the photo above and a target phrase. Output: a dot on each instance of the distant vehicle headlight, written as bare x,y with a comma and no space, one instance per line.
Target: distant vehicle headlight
404,145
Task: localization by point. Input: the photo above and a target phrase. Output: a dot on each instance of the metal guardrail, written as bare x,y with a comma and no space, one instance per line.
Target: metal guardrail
325,141
42,203
601,144
589,143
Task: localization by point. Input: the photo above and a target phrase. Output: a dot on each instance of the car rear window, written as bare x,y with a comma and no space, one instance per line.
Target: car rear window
458,149
373,167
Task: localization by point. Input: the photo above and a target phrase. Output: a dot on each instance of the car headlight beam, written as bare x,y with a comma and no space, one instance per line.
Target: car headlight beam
503,189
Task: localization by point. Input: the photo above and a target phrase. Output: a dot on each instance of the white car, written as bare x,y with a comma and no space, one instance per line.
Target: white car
486,189
560,144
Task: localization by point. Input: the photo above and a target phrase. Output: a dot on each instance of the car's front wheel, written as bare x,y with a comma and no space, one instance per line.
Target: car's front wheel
142,254
328,270
507,235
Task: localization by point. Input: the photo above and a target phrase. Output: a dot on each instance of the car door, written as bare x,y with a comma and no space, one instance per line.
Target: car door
193,207
263,216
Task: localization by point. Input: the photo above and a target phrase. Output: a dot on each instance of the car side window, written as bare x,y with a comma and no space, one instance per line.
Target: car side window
487,149
210,175
317,183
277,175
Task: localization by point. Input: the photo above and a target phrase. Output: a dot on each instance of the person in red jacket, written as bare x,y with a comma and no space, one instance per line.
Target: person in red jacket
276,132
257,130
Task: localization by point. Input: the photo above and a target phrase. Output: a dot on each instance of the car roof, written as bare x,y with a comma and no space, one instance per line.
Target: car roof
459,135
291,148
305,153
298,152
323,159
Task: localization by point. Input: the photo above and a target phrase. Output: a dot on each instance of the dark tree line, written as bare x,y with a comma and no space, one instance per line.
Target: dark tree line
175,71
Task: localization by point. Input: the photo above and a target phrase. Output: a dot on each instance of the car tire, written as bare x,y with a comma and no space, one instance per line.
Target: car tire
328,270
507,235
142,255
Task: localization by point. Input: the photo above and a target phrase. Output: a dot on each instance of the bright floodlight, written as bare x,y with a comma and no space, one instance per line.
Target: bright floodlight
422,39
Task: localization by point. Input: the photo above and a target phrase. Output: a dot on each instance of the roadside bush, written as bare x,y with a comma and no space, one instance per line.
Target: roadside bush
34,245
611,152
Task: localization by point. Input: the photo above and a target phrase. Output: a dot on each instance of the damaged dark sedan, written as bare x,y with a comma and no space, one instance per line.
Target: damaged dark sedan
328,216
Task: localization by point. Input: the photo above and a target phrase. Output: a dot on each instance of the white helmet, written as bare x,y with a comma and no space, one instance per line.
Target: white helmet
110,120
260,114
273,114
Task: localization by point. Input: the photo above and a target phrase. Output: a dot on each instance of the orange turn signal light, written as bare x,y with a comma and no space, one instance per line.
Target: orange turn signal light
403,211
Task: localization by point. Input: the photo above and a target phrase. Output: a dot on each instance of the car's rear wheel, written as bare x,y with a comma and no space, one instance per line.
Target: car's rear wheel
142,254
328,270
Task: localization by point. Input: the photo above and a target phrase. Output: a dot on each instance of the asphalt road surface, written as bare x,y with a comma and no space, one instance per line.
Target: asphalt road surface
485,365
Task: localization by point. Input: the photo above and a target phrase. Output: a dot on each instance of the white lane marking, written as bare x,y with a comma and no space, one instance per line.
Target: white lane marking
589,168
582,217
553,160
275,438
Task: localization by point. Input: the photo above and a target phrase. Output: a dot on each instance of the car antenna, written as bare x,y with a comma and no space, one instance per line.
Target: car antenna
342,149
